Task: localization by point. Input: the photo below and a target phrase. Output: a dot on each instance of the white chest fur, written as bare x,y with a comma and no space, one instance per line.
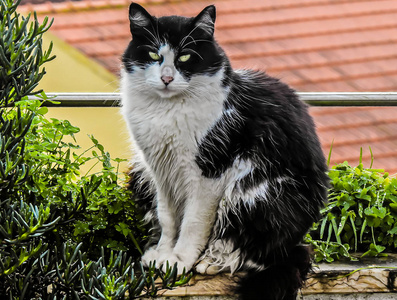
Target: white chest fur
167,131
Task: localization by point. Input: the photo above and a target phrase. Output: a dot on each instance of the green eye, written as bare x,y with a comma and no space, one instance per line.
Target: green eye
184,58
154,56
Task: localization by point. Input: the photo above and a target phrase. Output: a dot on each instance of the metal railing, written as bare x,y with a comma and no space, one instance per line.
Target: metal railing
313,99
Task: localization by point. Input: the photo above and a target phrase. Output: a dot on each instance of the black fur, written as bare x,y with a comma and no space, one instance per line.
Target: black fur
277,133
281,280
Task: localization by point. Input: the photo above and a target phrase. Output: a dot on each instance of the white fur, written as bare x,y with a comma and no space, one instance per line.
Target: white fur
219,256
167,124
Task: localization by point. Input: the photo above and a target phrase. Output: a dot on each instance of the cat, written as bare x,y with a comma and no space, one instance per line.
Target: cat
227,164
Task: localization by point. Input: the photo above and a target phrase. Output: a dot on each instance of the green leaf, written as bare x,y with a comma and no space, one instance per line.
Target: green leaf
393,207
363,230
43,110
81,228
374,250
393,230
123,228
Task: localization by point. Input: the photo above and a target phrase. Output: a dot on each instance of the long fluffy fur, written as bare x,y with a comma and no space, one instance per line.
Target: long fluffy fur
227,163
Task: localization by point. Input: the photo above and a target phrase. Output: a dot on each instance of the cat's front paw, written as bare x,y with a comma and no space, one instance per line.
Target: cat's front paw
149,256
182,265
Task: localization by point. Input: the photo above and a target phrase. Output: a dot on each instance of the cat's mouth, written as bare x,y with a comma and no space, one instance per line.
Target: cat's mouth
167,92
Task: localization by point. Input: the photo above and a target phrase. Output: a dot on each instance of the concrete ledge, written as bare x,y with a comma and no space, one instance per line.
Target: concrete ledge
369,279
374,275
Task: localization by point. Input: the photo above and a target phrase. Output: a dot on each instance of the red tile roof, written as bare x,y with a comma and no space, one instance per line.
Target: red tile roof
314,45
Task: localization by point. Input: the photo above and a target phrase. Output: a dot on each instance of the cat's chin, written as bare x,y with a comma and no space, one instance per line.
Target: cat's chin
167,93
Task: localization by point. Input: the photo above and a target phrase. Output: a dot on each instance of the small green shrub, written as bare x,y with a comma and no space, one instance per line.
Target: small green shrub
361,215
102,210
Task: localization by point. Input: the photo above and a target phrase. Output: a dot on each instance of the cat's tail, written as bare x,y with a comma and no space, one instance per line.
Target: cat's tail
279,281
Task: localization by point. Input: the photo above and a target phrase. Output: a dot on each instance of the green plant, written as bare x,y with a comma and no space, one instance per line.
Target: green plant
21,224
361,215
21,54
102,210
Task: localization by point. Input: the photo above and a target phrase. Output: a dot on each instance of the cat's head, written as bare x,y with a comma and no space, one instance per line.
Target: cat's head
167,54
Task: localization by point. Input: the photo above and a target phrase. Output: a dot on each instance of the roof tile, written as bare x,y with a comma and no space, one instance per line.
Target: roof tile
308,28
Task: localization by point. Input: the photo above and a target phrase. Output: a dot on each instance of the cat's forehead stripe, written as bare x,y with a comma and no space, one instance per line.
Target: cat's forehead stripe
165,48
167,52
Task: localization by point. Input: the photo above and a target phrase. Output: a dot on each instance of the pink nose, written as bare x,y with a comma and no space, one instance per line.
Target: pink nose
167,79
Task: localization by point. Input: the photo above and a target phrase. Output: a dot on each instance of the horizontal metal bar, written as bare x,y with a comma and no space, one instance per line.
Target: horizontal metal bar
349,99
313,99
82,99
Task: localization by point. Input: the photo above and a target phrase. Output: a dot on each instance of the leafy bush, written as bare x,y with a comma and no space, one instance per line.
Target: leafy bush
102,210
21,54
361,215
107,215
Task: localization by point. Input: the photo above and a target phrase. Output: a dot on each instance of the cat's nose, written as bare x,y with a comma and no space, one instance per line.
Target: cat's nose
167,75
167,79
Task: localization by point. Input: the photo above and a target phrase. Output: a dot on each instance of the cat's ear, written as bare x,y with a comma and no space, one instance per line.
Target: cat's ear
139,18
206,19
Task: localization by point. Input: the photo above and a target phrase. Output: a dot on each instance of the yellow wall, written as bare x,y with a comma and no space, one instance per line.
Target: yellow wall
72,71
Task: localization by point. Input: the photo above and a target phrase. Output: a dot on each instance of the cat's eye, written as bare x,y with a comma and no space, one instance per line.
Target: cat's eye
154,55
184,58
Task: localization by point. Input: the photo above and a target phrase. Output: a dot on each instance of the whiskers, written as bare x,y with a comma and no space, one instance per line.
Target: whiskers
182,42
195,52
137,83
189,39
154,36
195,42
195,90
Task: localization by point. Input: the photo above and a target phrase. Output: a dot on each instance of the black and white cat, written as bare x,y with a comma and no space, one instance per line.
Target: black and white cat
227,163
